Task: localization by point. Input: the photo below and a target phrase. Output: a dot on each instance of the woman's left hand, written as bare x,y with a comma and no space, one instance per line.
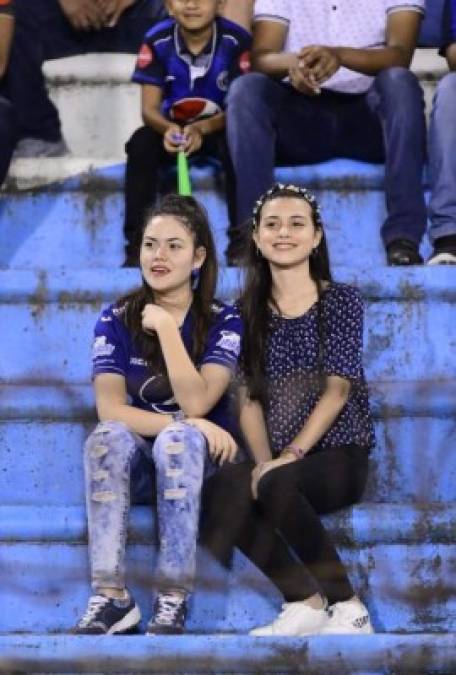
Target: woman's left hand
154,317
262,469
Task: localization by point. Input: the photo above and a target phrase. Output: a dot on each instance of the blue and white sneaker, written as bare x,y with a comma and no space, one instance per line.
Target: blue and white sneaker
170,612
106,616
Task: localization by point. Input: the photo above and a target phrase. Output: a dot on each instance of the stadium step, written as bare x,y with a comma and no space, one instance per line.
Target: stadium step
48,319
68,212
43,428
85,87
330,655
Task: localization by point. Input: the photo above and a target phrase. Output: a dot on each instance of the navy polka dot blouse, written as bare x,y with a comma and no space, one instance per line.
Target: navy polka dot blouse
295,355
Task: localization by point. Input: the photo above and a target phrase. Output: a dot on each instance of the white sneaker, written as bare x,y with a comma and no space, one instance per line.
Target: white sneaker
296,618
349,617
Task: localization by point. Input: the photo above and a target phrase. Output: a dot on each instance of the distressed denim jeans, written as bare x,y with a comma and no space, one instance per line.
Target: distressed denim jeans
181,461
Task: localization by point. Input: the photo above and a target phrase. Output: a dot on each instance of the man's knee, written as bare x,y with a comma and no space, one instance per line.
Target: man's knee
248,90
445,94
400,83
143,144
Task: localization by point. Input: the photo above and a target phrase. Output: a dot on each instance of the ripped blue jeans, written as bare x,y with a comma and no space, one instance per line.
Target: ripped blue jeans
181,461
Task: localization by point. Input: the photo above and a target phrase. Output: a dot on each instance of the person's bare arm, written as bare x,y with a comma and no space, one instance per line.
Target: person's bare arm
111,401
253,427
401,36
267,55
239,11
6,38
451,56
151,98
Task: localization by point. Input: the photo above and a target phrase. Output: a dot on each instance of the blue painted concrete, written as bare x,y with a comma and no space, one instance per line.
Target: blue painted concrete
331,655
42,431
400,338
407,587
37,223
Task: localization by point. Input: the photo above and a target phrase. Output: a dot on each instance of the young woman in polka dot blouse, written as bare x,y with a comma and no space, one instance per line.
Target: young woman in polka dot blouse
304,406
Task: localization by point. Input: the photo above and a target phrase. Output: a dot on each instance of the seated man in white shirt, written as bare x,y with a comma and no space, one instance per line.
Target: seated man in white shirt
332,81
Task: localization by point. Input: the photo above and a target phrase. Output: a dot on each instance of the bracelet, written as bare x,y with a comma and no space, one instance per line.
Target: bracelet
178,415
297,452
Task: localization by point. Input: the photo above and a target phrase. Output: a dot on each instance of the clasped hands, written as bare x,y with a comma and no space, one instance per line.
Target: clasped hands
94,14
312,66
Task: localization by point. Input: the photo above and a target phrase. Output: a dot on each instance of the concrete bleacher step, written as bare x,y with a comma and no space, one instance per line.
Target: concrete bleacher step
85,87
68,212
240,655
410,334
399,557
412,463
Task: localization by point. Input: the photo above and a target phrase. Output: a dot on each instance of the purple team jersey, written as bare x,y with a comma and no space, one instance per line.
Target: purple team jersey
113,351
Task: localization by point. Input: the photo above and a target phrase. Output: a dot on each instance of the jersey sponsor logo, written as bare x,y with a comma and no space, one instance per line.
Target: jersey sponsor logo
230,341
244,62
101,347
152,388
222,80
145,56
192,108
137,361
105,319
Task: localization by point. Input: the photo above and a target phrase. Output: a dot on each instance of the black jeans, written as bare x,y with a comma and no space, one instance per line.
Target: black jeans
282,533
146,157
43,32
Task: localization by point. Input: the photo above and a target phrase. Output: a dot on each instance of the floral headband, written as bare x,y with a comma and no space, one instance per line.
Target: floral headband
300,192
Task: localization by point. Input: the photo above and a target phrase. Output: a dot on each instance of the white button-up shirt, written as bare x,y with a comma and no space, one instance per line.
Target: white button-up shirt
360,24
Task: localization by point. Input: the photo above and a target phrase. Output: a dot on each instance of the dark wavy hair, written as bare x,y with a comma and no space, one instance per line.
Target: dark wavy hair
256,298
194,218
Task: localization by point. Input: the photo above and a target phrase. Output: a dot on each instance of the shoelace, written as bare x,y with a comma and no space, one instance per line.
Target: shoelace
168,607
96,602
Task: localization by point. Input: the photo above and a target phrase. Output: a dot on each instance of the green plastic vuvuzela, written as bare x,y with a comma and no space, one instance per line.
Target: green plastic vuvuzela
183,177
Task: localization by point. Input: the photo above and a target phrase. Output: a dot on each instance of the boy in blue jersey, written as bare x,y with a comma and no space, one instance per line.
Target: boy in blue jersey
184,66
7,126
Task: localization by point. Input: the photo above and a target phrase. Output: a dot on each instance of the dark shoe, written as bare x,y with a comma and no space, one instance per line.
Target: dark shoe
106,616
170,612
444,251
403,252
442,258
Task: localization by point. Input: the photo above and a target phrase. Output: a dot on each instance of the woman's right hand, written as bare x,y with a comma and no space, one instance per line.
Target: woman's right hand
222,446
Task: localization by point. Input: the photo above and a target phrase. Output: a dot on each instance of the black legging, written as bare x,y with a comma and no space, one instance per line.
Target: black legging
290,500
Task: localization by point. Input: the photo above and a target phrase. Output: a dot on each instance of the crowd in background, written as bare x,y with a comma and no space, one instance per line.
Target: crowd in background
306,99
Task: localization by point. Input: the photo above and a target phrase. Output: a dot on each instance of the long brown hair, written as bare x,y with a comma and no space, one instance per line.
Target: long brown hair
256,297
194,217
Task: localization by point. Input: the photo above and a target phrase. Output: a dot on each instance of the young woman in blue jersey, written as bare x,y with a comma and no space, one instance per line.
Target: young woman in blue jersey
163,358
305,412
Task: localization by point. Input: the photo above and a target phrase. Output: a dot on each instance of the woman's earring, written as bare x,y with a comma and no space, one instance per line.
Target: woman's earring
195,277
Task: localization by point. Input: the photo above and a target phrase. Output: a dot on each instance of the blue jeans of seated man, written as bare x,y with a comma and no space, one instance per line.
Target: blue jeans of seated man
43,32
442,160
7,136
181,462
269,123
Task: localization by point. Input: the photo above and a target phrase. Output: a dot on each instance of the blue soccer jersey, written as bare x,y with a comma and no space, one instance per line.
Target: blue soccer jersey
193,86
113,351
